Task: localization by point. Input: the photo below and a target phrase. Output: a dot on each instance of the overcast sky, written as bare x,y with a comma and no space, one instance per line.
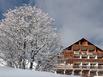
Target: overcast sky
75,19
10,4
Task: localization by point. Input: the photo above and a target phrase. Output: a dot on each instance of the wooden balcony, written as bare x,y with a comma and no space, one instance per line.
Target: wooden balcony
83,48
100,66
77,59
78,67
85,60
63,66
68,54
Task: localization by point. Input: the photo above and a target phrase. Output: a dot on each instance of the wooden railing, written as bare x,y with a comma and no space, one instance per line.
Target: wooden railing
83,48
63,66
84,60
77,67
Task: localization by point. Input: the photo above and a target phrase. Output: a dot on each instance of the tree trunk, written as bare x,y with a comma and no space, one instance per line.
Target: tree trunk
31,65
23,64
9,64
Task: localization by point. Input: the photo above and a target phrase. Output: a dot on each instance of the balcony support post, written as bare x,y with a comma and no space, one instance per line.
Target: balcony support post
89,73
72,72
55,71
81,72
97,73
64,72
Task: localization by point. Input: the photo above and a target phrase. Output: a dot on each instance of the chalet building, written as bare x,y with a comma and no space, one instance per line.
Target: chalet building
81,58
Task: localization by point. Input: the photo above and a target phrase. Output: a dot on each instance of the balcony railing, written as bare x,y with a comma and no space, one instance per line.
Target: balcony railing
61,66
83,48
82,60
78,67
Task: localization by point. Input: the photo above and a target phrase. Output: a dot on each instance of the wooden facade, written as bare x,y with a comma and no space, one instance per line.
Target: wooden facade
81,58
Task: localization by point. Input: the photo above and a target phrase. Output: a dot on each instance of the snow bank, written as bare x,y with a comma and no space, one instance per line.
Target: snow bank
9,72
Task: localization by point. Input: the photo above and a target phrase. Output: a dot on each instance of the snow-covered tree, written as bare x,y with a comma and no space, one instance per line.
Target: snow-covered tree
28,35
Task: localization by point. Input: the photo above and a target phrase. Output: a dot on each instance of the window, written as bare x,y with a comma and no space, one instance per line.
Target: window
84,48
76,47
91,48
92,56
76,52
84,56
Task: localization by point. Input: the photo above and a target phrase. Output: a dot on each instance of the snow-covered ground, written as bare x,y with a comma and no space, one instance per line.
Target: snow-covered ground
10,72
98,76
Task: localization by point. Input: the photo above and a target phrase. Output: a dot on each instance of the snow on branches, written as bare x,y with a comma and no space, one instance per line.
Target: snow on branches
27,35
